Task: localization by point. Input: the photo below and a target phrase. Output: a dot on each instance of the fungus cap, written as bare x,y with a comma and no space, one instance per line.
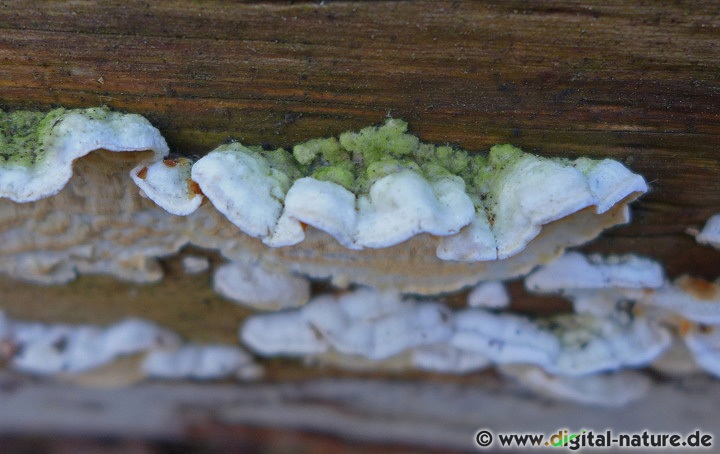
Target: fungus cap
50,143
168,184
366,323
254,286
710,234
200,362
575,271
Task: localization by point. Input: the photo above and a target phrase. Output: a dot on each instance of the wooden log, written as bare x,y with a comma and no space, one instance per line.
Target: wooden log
634,82
637,82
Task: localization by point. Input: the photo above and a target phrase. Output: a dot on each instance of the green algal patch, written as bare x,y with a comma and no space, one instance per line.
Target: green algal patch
281,160
22,136
356,160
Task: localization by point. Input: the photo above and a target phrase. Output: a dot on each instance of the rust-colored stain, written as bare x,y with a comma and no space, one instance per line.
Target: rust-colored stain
685,327
170,163
699,288
142,174
193,188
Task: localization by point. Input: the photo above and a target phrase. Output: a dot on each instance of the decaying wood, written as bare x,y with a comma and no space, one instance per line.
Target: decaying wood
635,82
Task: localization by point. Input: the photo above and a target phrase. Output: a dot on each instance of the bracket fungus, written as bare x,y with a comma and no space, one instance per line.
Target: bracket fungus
168,184
568,344
47,349
574,271
694,299
490,294
200,362
595,284
366,323
37,150
598,286
381,186
710,234
380,325
256,287
377,208
51,349
372,198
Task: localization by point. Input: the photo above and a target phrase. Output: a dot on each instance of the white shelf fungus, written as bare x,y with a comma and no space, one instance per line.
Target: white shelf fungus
572,344
574,271
322,204
243,186
51,349
375,207
568,345
48,349
704,343
200,362
37,150
448,359
710,234
366,323
491,295
380,325
168,184
382,186
253,286
694,299
597,285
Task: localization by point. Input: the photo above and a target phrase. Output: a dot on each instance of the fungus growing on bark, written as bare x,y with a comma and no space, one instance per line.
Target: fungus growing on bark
37,149
253,286
366,323
200,362
168,184
379,325
710,234
375,207
48,349
491,295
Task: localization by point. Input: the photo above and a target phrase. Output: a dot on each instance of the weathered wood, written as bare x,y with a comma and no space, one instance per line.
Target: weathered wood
635,82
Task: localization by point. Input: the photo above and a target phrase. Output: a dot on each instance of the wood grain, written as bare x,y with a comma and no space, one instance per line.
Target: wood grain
636,82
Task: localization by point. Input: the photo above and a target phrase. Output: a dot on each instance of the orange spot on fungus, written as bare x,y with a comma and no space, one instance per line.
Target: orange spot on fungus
193,188
699,288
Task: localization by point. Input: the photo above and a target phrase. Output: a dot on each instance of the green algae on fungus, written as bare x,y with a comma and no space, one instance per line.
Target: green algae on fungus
23,134
358,159
385,186
37,150
372,189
